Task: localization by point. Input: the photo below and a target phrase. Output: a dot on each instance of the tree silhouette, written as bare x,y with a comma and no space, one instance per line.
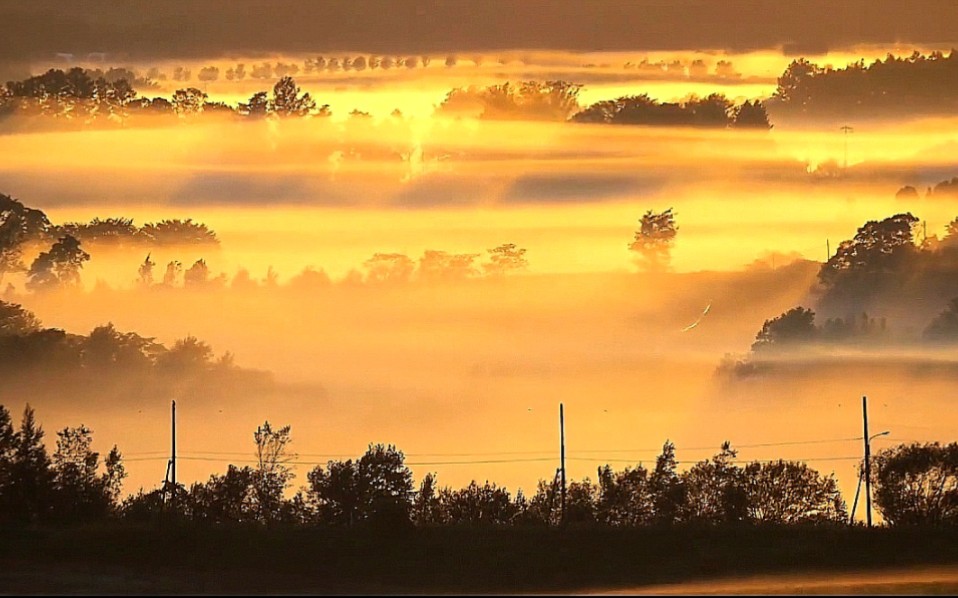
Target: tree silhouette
287,100
177,232
335,493
439,266
625,497
532,100
31,483
714,110
145,272
106,347
715,490
426,508
505,259
111,230
878,247
794,327
488,504
751,116
389,268
209,73
257,106
917,484
80,492
187,355
188,102
197,275
173,271
272,474
226,498
19,225
666,487
16,321
8,447
914,85
58,267
654,240
907,193
376,488
789,492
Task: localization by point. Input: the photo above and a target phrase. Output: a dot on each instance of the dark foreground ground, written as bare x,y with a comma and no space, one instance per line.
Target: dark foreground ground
175,559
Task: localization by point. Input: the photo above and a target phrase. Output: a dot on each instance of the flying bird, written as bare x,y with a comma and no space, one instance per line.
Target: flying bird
696,322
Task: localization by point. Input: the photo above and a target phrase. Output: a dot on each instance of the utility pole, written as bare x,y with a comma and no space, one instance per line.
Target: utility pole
173,455
868,468
562,461
828,250
858,490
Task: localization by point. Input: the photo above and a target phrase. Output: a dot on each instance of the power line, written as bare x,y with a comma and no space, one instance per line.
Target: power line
530,452
293,462
736,461
734,446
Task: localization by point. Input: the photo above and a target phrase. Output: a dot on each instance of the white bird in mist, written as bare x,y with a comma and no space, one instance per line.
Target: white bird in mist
696,322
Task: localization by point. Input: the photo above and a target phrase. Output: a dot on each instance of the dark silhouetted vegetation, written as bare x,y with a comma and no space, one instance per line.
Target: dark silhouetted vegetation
107,362
72,486
713,111
883,269
529,100
897,86
917,484
654,240
368,506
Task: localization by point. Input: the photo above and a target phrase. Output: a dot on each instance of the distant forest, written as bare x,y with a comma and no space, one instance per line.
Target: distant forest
109,365
902,87
75,98
24,229
916,85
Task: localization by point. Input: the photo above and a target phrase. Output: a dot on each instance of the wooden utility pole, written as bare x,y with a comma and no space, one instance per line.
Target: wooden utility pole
868,468
173,455
562,461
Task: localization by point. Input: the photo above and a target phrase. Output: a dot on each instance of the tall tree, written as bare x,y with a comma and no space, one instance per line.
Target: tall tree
16,321
80,492
58,267
667,488
188,102
426,509
655,238
789,492
715,490
8,447
917,484
31,482
288,101
273,473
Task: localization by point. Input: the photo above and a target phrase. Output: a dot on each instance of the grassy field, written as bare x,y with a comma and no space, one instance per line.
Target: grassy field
179,559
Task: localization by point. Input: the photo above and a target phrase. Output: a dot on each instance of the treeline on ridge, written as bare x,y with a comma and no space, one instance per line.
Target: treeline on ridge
35,359
914,85
889,266
897,86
